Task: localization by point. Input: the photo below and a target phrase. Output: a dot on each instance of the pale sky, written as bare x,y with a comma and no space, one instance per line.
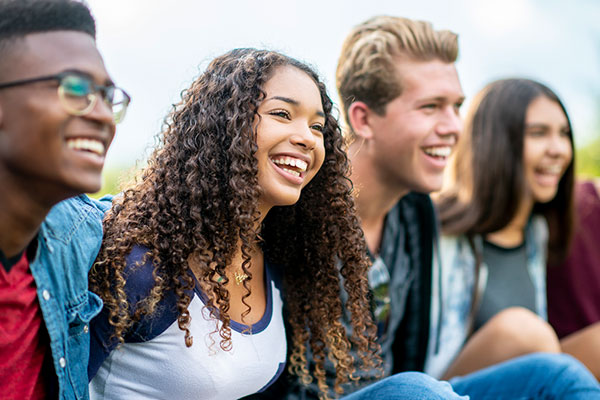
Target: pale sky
155,48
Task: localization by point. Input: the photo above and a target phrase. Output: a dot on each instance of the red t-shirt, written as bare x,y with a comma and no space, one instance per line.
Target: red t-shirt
574,286
24,343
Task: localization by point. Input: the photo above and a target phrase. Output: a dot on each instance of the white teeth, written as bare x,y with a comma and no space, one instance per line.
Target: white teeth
553,169
92,145
291,171
438,151
292,162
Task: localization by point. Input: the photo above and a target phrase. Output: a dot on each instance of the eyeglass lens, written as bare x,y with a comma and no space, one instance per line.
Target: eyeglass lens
79,95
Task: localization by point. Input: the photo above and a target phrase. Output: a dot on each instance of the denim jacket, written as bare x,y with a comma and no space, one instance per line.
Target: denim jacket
458,278
67,244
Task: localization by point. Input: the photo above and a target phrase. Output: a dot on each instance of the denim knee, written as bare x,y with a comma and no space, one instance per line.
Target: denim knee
414,379
555,363
537,375
407,385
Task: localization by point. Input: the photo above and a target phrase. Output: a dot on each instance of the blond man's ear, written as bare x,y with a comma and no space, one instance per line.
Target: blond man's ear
358,115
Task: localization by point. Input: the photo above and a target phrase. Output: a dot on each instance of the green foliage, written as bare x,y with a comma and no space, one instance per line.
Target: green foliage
113,180
588,160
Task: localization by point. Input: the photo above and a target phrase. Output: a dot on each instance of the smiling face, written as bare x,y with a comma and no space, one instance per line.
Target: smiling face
547,148
413,139
289,137
41,144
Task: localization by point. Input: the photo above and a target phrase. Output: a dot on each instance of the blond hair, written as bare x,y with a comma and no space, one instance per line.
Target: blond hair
366,68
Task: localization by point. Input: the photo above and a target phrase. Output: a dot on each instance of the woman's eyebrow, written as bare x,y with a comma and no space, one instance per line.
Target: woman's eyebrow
536,125
285,99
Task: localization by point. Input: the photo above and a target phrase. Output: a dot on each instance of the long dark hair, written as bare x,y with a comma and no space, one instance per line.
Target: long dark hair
487,168
198,198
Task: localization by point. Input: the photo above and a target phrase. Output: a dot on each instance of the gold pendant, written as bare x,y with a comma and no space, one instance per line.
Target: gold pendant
239,278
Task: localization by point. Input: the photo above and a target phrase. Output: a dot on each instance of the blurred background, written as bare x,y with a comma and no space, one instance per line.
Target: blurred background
155,48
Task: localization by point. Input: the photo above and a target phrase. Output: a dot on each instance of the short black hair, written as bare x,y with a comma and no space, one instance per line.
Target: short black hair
19,18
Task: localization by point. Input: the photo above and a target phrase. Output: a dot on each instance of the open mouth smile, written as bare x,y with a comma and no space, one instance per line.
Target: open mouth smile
550,170
438,152
93,146
549,175
291,165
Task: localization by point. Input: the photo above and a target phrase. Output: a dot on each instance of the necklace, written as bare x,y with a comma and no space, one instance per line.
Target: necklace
239,278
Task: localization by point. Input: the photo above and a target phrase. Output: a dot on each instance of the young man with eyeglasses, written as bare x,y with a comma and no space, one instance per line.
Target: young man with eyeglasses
401,96
58,110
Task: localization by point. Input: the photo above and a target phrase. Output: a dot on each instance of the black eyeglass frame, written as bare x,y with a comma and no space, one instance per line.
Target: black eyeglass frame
101,89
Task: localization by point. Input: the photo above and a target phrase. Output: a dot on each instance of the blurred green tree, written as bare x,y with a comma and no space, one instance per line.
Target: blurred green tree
113,180
588,158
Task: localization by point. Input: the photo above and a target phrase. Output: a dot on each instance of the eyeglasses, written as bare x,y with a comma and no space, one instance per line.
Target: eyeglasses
78,94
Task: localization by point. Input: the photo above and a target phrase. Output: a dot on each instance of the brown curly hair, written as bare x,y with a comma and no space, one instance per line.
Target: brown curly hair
198,198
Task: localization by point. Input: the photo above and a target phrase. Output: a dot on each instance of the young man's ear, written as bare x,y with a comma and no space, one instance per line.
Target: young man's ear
358,115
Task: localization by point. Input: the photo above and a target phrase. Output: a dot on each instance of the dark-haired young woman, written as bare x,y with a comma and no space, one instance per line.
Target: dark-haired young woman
507,210
246,203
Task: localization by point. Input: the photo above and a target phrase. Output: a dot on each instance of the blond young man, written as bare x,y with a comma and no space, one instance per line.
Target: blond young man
401,96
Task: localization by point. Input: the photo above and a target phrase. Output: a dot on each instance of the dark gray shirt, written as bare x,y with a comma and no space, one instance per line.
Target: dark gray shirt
508,284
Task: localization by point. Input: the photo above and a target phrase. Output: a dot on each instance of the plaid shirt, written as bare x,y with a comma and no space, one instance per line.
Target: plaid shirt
406,256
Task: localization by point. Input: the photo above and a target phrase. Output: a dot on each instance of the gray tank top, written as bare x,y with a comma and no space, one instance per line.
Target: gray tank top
508,284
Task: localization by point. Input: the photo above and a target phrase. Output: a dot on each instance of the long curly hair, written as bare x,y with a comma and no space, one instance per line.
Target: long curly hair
197,199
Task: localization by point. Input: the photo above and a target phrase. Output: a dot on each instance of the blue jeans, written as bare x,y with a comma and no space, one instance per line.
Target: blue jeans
407,385
534,376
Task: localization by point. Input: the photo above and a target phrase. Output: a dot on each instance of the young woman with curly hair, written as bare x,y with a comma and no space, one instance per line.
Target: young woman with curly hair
244,203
